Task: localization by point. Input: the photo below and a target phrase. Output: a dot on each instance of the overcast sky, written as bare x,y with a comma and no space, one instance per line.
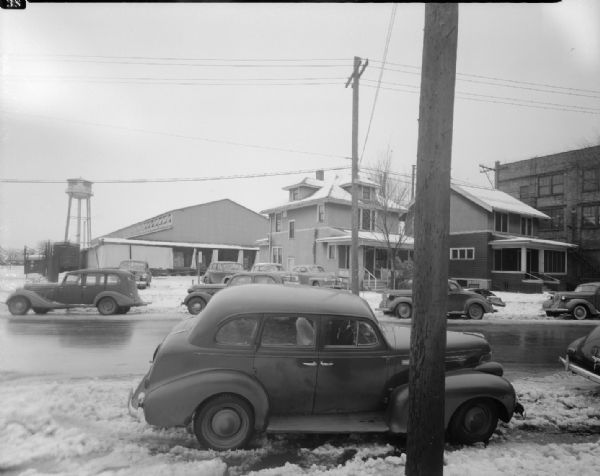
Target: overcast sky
153,91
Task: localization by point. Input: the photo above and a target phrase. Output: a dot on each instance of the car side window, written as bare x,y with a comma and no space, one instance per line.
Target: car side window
237,331
452,286
342,331
288,331
264,279
112,279
94,279
236,280
72,279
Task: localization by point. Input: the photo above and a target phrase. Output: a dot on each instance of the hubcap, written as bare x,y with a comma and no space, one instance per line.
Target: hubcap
476,420
226,423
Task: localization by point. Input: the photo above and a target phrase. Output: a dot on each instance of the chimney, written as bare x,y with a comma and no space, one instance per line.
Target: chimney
320,175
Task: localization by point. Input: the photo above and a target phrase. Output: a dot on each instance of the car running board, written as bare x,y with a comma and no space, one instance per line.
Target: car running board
338,423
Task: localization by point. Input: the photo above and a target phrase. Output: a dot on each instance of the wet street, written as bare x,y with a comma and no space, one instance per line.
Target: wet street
80,346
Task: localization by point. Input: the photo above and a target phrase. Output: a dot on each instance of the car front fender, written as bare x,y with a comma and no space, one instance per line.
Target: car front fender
201,294
461,386
35,299
173,403
570,305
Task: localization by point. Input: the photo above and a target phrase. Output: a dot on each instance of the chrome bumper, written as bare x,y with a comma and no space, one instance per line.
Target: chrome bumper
576,369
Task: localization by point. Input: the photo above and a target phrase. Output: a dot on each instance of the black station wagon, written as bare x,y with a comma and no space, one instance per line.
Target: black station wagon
112,291
299,359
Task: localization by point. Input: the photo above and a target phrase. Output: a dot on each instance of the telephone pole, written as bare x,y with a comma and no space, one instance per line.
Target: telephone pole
426,382
354,79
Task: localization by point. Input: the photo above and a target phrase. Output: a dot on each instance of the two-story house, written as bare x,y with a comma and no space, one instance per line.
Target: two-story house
314,226
494,244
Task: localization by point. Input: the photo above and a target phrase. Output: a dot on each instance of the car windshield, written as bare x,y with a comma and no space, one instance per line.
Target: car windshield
586,288
229,267
133,265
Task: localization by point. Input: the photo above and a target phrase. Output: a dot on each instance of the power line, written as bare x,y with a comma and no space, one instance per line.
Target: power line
385,52
181,136
179,179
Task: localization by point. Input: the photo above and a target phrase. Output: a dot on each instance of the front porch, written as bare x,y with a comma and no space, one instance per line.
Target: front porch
529,265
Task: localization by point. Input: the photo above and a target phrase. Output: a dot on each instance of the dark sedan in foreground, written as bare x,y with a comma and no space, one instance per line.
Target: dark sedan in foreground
583,356
298,359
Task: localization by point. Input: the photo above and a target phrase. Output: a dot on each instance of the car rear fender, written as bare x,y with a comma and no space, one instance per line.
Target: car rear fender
461,386
121,299
484,303
201,294
570,305
398,300
35,299
173,403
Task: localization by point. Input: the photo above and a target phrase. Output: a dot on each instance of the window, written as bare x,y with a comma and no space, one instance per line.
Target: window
343,256
556,221
94,279
330,251
550,185
321,213
501,222
526,226
524,192
237,331
294,194
72,279
554,261
277,221
292,228
507,259
288,331
366,219
591,180
366,193
264,279
112,279
462,253
589,216
277,255
343,331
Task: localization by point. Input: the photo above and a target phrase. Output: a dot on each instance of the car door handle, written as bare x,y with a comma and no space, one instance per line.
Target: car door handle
310,364
326,364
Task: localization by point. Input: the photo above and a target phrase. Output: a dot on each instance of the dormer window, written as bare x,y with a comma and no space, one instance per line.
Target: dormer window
501,222
366,193
526,226
294,194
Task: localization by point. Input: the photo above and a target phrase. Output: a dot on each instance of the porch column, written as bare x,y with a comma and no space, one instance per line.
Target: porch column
523,260
541,265
240,256
215,255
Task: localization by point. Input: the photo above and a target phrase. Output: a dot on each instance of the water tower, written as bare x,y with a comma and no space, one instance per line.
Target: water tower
80,189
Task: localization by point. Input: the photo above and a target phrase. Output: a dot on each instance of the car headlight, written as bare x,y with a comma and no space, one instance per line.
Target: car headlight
563,298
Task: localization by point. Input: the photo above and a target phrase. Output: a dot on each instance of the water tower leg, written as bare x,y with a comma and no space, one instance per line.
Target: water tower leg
89,222
79,221
68,219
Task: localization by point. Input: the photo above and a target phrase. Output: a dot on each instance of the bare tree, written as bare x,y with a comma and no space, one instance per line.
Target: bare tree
13,256
391,201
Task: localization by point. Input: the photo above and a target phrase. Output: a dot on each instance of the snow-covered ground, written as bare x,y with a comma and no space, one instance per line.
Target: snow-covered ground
81,426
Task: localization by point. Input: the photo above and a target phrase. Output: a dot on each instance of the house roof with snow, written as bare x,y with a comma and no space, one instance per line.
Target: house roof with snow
329,191
495,200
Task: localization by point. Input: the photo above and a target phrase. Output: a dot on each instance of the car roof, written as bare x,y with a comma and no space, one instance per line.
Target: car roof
269,298
99,270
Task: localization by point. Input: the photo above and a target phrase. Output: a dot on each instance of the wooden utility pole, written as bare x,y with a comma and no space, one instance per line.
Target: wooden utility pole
354,78
425,442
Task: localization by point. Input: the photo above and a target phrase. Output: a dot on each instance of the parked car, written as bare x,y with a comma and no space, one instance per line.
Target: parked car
490,296
267,267
199,295
581,303
461,302
220,271
315,275
583,356
297,359
141,271
112,291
